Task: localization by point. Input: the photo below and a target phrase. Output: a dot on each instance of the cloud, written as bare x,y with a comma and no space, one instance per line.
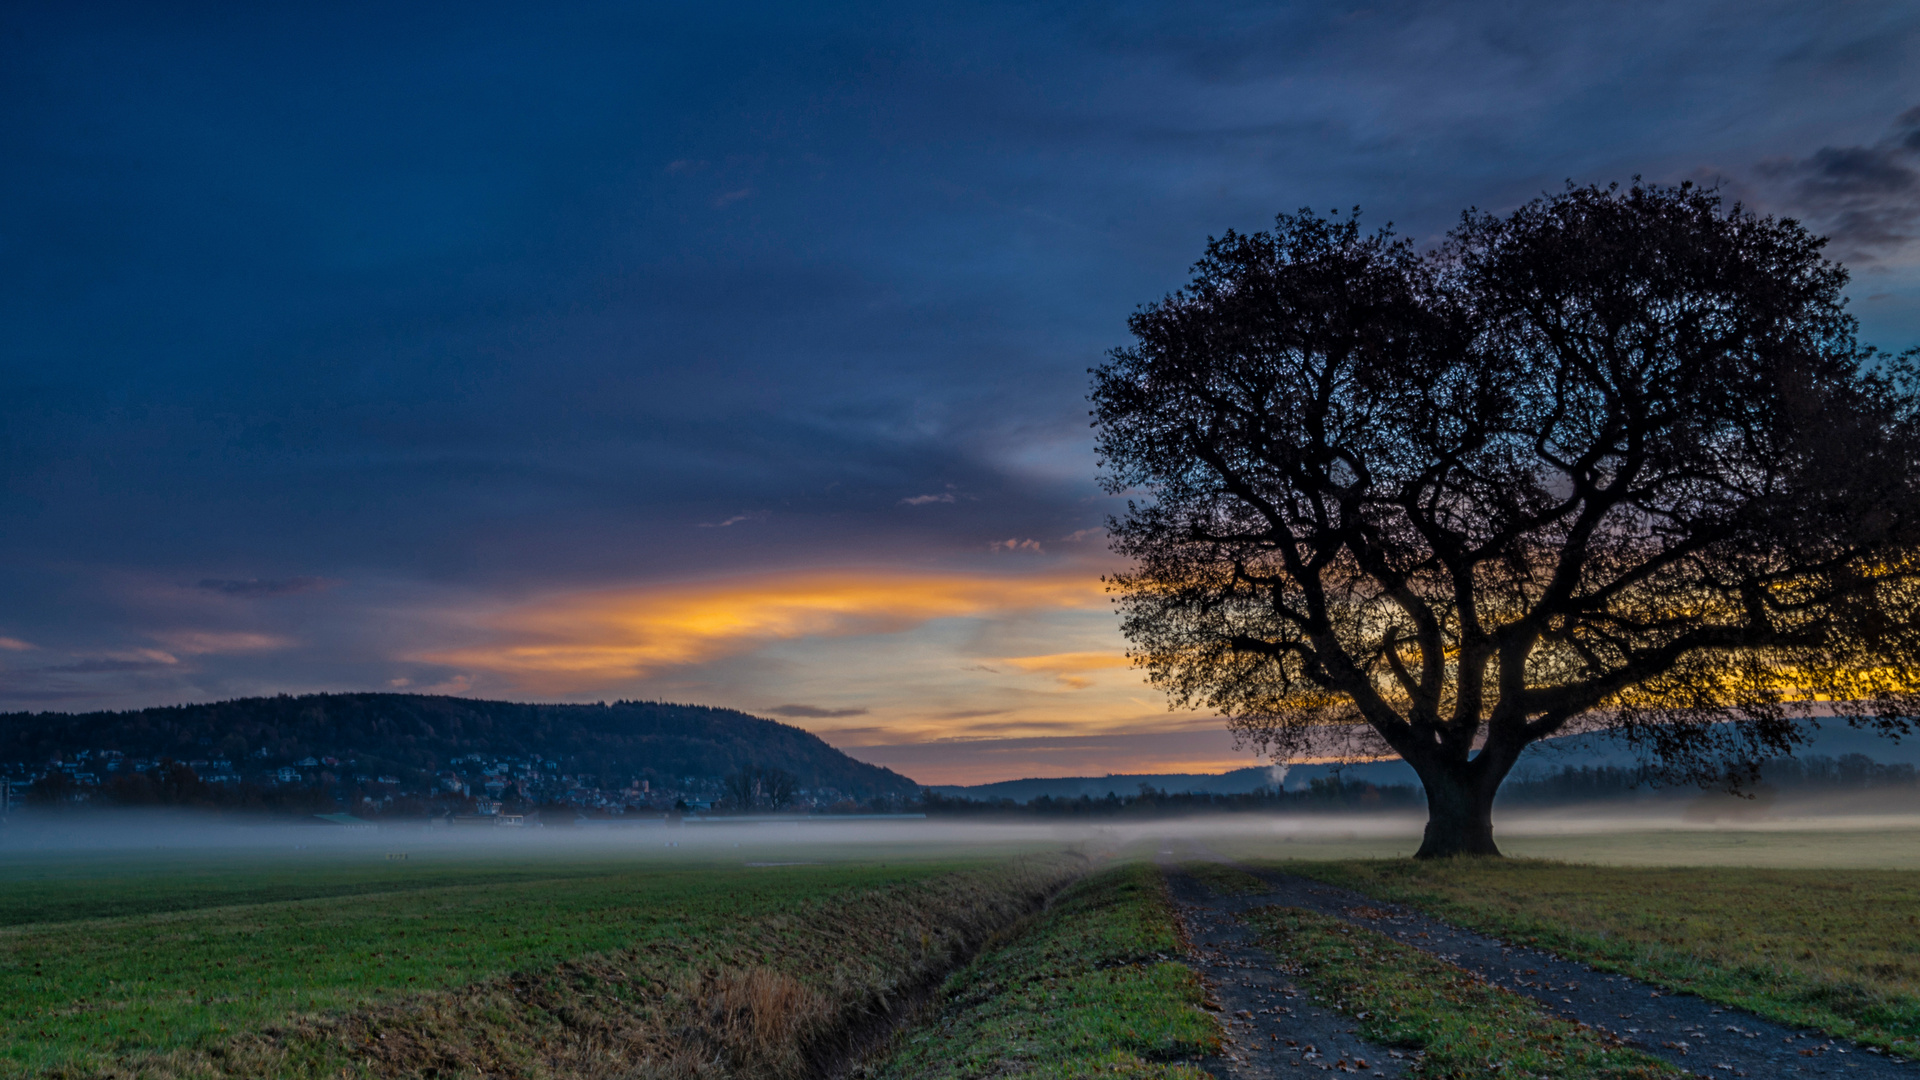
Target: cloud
757,515
814,712
1866,198
1017,545
1079,535
15,645
213,642
922,500
127,660
1067,667
254,588
726,198
974,761
568,642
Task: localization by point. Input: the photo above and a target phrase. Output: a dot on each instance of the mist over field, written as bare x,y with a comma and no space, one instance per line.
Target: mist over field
1853,829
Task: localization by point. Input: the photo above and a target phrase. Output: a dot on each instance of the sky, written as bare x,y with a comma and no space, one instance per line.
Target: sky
737,354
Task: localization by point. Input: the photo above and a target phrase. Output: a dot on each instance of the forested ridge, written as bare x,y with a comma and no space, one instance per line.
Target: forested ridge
418,733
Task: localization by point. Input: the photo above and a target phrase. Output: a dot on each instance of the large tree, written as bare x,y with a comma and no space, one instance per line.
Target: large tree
1614,460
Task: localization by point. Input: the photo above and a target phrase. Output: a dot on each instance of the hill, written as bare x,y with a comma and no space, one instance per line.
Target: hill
414,736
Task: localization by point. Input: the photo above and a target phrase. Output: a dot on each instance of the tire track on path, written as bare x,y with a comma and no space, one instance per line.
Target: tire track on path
1272,1027
1707,1039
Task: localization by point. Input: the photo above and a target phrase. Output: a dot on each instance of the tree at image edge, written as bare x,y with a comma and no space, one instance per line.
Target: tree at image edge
1614,460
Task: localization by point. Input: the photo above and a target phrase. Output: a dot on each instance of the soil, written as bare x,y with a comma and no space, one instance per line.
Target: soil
1707,1039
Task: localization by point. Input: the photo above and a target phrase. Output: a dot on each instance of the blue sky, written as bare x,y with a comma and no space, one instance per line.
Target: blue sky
484,348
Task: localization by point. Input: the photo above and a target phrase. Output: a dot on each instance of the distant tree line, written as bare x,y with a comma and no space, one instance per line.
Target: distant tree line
1328,793
1588,782
1568,784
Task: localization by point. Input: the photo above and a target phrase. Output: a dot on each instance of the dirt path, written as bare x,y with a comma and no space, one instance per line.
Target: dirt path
1707,1039
1273,1028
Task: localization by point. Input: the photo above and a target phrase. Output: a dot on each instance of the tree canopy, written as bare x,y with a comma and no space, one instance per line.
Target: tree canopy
1614,459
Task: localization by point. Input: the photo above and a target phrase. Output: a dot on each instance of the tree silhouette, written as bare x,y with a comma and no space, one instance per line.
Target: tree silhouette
755,787
1613,460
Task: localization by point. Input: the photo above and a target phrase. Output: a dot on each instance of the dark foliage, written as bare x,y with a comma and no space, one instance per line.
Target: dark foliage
1614,459
1821,773
414,735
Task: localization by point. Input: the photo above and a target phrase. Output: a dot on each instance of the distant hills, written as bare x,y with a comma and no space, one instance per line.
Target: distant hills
1833,740
415,735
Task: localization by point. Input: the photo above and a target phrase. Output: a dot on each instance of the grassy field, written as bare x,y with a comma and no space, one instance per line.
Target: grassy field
1835,950
60,887
355,962
749,954
1460,1027
1087,990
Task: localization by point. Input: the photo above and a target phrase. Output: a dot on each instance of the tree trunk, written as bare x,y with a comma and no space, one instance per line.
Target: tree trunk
1459,813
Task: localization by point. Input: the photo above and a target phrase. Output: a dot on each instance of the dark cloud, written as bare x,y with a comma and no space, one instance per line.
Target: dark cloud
1866,198
109,665
813,712
252,588
484,299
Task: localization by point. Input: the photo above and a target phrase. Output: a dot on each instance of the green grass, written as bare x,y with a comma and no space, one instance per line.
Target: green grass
60,886
1831,949
447,972
1458,1026
1088,990
39,888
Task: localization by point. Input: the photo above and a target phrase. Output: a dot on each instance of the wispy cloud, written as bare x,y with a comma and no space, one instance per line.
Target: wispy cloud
1017,545
119,661
922,500
1069,668
214,642
973,761
15,644
814,712
757,515
254,588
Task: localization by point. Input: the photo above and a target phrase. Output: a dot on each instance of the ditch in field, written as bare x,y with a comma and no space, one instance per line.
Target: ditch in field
707,973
